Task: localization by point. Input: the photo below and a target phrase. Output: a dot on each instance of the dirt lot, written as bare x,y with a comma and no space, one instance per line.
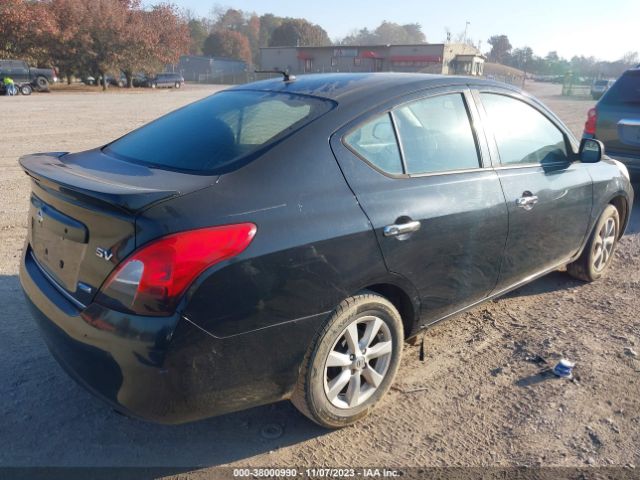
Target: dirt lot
481,397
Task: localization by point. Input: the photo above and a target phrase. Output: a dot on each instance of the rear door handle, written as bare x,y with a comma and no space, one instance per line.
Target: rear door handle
527,201
401,228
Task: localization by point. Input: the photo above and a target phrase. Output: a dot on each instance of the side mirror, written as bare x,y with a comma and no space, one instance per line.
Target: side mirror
591,150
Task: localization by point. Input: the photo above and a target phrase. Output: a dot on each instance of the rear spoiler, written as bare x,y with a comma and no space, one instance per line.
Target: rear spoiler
92,176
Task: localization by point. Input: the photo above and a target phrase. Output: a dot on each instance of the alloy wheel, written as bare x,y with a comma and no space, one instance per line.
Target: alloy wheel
358,362
603,245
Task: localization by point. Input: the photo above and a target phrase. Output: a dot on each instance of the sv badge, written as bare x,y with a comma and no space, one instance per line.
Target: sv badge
104,253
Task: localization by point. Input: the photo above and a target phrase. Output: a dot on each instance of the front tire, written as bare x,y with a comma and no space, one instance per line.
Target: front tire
351,363
25,89
598,253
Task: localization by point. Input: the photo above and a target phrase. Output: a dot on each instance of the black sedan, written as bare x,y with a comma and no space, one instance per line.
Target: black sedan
281,239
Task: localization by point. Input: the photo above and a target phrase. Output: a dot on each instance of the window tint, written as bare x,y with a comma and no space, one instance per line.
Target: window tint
376,142
625,91
213,132
522,133
256,124
436,135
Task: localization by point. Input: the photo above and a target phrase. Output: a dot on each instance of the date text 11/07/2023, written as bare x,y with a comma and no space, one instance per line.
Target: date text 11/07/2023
316,472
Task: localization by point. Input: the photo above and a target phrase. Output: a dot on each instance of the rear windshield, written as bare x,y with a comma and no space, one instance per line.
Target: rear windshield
209,135
626,90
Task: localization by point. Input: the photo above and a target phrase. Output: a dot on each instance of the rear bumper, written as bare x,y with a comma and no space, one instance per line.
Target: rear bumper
161,369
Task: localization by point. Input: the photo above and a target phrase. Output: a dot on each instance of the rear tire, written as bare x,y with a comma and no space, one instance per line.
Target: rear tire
598,252
42,84
351,362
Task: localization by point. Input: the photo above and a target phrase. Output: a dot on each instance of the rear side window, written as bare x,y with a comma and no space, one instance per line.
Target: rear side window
436,136
375,141
626,91
523,134
209,135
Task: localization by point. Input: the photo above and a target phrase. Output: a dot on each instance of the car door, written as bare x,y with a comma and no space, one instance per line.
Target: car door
19,72
425,181
549,195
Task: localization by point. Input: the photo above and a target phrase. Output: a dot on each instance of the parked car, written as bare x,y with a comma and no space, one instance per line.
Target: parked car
281,239
38,78
119,81
140,80
599,87
615,120
166,80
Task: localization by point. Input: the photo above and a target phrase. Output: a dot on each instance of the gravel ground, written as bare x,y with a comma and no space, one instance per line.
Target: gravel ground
482,397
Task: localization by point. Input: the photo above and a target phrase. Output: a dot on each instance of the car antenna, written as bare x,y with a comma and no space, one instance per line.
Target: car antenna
286,76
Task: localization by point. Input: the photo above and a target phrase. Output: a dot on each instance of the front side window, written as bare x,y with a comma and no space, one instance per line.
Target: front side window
523,134
436,136
209,135
375,141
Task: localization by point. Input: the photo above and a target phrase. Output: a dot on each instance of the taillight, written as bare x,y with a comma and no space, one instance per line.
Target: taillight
590,124
152,279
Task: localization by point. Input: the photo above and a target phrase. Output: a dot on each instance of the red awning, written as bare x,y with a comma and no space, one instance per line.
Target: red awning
416,58
304,56
370,54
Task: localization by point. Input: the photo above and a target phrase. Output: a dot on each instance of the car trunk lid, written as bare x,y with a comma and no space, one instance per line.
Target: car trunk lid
82,214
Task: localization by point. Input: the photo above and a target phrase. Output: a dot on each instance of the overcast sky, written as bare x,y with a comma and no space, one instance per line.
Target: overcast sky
605,29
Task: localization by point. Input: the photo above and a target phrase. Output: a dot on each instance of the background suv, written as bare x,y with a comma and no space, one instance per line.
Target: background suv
615,120
166,80
599,87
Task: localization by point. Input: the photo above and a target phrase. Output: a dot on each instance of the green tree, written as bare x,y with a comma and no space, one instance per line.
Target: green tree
392,33
231,19
500,48
522,58
387,33
228,43
299,32
198,33
268,23
360,37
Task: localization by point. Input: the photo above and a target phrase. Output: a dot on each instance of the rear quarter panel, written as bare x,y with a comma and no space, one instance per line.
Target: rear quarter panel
608,183
314,246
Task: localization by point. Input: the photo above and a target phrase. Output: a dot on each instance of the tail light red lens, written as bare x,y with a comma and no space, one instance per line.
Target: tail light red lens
590,124
152,280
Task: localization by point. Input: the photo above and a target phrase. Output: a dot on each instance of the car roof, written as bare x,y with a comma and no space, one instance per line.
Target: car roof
349,87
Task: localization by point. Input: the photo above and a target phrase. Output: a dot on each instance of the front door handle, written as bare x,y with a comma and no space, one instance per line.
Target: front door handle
527,201
401,228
